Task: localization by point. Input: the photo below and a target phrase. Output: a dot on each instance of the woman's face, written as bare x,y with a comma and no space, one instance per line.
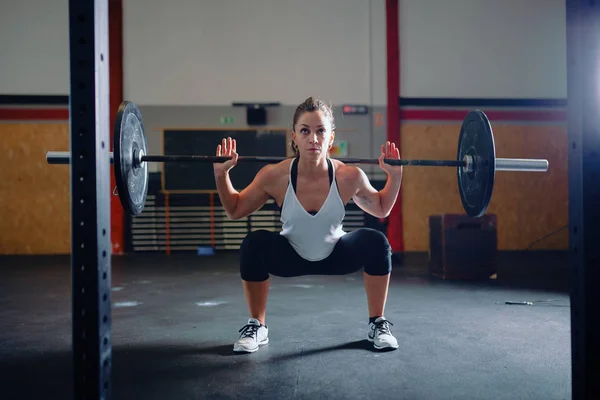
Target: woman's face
313,135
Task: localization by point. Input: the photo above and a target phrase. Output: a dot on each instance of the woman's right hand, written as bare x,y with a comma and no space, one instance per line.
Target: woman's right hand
227,148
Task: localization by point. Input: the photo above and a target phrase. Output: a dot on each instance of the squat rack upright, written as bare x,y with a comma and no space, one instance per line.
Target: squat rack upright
90,199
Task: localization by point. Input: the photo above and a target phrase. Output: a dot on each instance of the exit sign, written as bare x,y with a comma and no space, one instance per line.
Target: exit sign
226,120
350,109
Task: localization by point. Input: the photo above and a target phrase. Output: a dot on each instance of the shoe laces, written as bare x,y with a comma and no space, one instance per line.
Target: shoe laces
249,330
383,327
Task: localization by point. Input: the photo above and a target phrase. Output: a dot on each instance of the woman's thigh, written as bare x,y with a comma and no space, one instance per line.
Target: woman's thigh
269,253
265,253
363,248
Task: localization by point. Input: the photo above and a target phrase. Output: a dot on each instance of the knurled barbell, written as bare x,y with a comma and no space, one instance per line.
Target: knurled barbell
476,161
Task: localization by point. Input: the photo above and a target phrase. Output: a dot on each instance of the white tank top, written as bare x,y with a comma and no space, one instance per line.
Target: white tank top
313,236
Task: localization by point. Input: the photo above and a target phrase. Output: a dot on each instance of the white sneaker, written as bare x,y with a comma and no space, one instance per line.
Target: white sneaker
381,335
252,335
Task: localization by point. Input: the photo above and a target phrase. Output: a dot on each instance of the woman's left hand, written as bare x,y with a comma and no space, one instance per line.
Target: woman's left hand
389,150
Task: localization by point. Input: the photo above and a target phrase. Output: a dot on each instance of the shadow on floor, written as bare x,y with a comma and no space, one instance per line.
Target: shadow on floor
135,366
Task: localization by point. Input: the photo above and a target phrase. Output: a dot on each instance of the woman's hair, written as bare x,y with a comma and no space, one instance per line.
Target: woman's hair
311,104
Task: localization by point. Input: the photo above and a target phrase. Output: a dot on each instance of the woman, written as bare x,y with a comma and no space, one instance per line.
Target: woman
311,190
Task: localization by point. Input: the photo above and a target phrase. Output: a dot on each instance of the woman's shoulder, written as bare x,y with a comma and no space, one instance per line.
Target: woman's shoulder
273,172
349,172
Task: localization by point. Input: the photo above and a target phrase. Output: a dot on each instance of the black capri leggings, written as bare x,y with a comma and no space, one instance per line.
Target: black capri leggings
265,253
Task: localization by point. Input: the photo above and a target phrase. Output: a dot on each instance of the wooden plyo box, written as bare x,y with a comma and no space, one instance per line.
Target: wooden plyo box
462,247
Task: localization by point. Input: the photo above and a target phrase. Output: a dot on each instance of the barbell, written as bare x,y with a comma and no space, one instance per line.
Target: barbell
476,161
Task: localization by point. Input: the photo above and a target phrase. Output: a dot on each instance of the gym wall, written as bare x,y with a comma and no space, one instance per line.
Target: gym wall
487,49
34,199
34,47
185,62
508,59
186,52
34,61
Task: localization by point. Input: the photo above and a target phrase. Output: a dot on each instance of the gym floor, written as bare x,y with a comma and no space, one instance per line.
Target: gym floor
175,318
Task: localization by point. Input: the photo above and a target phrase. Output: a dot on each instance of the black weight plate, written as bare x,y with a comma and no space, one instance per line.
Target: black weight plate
129,139
476,186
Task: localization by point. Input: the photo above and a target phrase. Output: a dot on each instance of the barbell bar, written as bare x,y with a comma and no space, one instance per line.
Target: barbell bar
476,161
502,164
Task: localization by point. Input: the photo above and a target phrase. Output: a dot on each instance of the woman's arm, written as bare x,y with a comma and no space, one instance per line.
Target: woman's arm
377,203
241,204
238,205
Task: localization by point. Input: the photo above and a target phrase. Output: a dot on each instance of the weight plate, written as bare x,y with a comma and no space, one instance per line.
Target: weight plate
476,184
129,143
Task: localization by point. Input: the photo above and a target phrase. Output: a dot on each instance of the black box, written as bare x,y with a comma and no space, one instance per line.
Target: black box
256,116
462,247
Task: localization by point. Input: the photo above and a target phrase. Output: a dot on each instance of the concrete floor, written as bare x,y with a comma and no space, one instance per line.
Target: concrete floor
176,317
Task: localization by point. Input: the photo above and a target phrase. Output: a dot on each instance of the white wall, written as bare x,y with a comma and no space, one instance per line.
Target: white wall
201,52
211,52
483,48
378,53
34,47
190,52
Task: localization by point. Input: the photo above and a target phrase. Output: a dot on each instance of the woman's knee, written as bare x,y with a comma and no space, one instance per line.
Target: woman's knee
252,255
256,240
375,238
377,251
